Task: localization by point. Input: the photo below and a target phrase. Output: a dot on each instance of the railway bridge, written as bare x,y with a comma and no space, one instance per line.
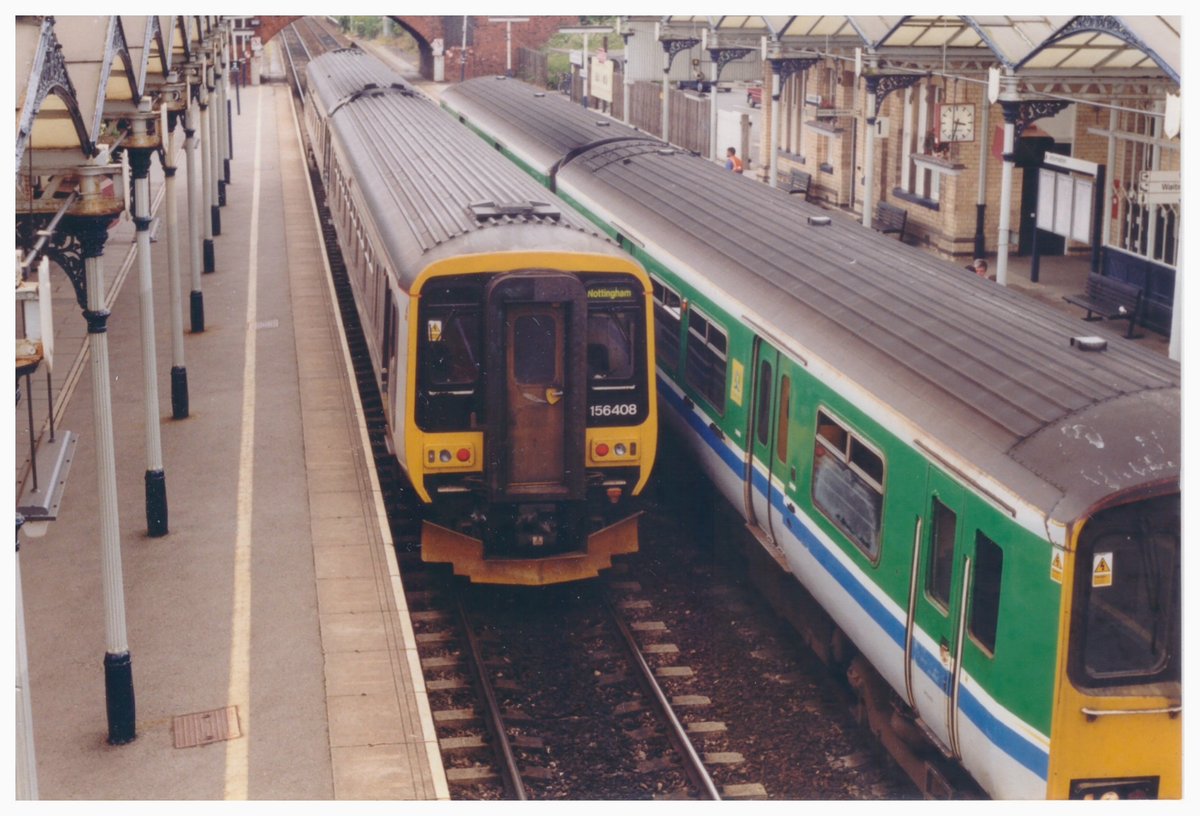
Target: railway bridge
485,41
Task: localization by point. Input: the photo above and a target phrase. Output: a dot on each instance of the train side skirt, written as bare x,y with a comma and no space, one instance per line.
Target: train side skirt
465,554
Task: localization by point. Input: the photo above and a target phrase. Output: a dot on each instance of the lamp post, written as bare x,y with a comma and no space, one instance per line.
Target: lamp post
508,21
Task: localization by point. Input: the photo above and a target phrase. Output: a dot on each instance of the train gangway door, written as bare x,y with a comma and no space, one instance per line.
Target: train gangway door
762,424
536,337
940,606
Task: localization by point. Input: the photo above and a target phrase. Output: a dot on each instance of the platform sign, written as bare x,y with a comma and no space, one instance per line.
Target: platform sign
1159,187
1065,204
600,75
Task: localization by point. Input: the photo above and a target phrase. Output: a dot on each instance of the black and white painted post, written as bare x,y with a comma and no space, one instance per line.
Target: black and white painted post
206,171
195,189
227,106
217,108
82,259
141,145
211,138
179,386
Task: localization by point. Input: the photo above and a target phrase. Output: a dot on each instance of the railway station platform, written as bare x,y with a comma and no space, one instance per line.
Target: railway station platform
272,654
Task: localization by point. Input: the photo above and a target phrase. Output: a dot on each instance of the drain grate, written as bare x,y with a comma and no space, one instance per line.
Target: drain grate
206,727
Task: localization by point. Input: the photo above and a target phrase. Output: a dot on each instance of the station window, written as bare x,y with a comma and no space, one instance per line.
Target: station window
985,592
705,360
666,325
848,477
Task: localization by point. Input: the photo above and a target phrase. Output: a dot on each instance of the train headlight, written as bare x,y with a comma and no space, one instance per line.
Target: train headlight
444,456
1143,787
619,449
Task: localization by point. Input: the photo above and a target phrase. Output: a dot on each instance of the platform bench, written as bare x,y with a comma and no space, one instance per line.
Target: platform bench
797,183
890,218
1111,299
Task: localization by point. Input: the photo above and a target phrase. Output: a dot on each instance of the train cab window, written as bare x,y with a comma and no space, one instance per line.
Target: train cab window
941,558
450,357
705,360
452,349
610,345
1126,617
667,317
987,567
847,485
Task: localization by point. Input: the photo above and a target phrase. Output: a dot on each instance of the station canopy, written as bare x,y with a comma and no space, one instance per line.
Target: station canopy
1144,46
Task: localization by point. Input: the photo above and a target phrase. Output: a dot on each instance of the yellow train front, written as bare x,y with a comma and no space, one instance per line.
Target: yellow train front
512,344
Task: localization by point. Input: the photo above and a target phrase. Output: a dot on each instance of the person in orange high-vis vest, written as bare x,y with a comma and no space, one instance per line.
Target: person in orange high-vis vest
732,162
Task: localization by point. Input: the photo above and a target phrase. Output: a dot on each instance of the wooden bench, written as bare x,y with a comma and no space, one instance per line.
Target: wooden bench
1111,299
889,218
796,183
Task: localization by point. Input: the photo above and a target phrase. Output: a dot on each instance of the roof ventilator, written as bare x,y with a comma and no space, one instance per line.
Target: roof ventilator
483,210
1089,343
819,221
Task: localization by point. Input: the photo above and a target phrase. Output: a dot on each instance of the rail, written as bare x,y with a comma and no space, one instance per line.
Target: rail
493,719
693,765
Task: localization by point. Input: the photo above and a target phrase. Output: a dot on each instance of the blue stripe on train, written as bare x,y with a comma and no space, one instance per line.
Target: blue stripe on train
1002,735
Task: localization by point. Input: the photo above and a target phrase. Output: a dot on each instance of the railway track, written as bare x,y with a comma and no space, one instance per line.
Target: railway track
549,696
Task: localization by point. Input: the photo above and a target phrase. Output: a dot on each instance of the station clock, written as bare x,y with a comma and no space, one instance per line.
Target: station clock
956,123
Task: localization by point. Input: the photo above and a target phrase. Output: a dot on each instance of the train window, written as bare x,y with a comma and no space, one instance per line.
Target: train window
1126,620
985,592
534,350
452,349
781,430
666,325
762,422
941,559
610,345
847,483
704,361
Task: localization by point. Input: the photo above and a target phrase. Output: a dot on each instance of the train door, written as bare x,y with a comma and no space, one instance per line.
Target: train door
536,329
387,362
939,606
761,438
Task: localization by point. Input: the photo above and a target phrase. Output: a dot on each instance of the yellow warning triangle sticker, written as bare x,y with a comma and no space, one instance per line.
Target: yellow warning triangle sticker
1102,570
1056,568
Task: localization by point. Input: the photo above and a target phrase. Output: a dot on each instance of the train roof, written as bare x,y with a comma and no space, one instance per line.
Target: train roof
432,186
986,373
551,128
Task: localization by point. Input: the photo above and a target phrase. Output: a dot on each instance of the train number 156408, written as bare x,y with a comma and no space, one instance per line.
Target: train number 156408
621,409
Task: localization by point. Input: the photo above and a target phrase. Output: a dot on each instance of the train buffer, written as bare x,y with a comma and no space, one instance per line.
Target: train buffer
1111,299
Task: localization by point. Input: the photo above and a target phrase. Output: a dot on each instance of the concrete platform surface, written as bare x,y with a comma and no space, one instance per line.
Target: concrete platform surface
271,652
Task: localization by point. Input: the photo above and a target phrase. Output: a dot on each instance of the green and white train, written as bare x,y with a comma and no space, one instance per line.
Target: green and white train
986,511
